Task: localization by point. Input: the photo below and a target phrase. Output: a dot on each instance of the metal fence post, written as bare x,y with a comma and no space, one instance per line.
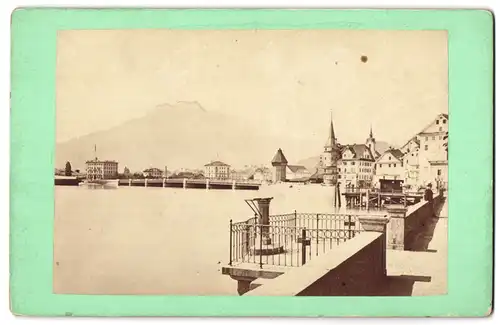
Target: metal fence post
317,233
260,261
255,223
351,231
231,242
303,246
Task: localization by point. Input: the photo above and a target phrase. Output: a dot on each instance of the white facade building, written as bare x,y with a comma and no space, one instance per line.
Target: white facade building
433,158
389,166
217,170
101,169
356,166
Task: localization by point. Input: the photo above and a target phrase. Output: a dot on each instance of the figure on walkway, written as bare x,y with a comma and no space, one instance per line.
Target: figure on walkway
428,195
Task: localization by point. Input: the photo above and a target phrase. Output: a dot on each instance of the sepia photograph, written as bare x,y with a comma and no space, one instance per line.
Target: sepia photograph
251,162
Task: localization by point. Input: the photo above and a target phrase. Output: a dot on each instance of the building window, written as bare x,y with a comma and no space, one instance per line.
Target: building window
353,163
380,165
440,129
426,147
437,121
439,172
433,138
426,138
389,157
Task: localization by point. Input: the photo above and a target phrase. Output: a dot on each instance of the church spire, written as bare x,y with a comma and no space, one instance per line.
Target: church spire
330,143
371,131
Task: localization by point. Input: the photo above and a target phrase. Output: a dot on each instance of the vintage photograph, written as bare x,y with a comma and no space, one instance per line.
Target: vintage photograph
251,162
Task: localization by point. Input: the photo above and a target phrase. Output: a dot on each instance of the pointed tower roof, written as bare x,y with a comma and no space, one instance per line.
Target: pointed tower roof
330,143
371,131
279,158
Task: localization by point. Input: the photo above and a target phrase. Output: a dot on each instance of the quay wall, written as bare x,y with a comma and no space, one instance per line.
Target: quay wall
355,268
407,224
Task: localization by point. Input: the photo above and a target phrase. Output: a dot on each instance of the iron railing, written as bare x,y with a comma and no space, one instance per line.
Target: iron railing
289,239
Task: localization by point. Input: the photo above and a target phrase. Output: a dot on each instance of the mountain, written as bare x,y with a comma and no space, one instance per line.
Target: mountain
181,135
185,135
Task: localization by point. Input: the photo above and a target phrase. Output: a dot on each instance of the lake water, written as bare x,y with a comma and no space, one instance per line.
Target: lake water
135,240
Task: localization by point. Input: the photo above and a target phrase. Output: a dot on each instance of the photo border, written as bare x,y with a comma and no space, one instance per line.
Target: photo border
33,65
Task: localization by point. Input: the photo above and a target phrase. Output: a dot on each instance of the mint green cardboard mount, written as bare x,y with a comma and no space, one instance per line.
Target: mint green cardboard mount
470,37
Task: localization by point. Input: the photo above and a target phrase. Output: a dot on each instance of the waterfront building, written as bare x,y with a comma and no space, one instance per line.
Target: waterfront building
217,170
390,166
244,174
411,145
263,174
411,168
296,172
356,166
153,173
101,169
433,158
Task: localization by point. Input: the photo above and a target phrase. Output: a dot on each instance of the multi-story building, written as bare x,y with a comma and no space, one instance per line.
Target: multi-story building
390,165
433,158
411,168
263,174
153,173
411,145
101,169
356,166
217,170
243,174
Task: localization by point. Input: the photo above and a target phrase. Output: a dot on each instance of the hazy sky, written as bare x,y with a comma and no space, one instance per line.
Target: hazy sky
286,81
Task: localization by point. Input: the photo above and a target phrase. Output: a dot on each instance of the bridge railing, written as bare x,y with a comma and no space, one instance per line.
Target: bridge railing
289,239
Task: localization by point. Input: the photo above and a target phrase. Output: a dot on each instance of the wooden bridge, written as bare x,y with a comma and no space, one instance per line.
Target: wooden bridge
220,184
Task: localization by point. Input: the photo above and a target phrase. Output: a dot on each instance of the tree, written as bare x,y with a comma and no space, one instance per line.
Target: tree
67,170
138,176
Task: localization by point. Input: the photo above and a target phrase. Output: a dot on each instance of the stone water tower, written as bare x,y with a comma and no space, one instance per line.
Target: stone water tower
279,163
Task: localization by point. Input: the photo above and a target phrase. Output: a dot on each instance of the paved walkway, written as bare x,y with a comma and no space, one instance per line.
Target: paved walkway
423,271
